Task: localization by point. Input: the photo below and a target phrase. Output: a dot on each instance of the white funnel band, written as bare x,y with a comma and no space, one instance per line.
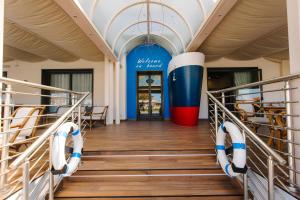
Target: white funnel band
186,59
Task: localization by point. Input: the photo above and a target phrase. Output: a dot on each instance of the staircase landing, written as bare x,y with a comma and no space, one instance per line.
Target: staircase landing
149,161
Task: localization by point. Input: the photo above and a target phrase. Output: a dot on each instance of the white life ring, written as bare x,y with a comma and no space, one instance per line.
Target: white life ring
58,148
238,163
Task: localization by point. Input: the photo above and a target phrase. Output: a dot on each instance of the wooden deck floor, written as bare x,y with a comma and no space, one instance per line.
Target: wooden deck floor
149,161
144,135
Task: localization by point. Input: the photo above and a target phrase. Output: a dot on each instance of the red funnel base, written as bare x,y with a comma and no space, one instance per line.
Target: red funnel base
185,116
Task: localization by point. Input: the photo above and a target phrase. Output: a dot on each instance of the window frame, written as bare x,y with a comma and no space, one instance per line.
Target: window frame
46,80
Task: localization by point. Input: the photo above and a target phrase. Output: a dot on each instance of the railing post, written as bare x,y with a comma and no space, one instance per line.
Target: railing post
223,102
5,138
26,179
79,117
73,96
270,178
216,118
290,137
245,176
216,125
51,178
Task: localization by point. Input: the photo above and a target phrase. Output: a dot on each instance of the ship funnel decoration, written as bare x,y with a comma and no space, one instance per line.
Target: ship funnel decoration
185,74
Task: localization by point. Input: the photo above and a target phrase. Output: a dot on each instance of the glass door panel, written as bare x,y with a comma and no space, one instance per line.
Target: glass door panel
156,106
149,95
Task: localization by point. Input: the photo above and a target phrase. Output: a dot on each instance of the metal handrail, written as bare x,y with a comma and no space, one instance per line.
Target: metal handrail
38,86
248,131
18,161
259,83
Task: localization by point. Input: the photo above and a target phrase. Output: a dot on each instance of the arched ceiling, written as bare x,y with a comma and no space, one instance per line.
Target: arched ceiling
174,22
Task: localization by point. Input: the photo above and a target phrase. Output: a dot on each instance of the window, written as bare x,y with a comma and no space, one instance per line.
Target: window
80,80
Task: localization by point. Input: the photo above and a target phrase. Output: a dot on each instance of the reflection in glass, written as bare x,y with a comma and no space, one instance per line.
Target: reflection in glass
156,103
143,80
156,80
144,103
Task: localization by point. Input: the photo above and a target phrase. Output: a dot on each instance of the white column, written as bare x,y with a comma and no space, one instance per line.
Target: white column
293,11
123,83
1,35
1,47
106,87
117,92
110,86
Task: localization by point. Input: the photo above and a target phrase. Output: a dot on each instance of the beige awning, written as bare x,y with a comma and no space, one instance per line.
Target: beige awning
252,29
43,29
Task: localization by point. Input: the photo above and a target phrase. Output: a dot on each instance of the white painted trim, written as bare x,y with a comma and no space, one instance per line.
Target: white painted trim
92,9
185,59
210,23
200,3
143,35
154,22
145,2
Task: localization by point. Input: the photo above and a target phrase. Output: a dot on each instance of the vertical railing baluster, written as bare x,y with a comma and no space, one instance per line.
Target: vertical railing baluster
5,137
290,137
26,179
224,103
216,125
51,178
73,102
216,118
245,176
270,178
79,117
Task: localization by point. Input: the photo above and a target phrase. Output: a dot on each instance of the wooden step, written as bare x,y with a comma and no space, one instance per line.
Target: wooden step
228,197
149,152
142,172
144,162
155,184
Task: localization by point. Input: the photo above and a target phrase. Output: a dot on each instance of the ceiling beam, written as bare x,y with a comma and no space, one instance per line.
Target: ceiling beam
221,10
74,10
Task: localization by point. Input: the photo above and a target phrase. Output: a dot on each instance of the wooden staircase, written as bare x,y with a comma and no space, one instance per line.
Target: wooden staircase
149,175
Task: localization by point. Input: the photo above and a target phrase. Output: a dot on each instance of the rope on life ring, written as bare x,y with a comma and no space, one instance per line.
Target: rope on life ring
59,162
238,163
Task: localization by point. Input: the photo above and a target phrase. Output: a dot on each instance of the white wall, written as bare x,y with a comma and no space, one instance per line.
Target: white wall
32,72
269,70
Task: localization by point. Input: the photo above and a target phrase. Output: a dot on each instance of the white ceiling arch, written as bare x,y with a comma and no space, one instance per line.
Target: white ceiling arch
164,43
142,22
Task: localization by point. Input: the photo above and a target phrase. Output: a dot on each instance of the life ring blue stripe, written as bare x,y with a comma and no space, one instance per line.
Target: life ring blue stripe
227,169
76,132
63,134
220,147
239,145
76,155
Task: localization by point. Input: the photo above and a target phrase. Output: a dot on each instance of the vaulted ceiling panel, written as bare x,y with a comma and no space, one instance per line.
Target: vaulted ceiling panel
252,29
17,54
49,22
17,37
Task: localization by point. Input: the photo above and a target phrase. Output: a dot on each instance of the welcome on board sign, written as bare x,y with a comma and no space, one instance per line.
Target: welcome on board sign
149,63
